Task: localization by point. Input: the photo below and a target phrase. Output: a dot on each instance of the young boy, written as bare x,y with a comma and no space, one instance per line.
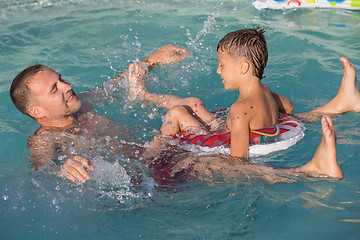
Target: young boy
242,56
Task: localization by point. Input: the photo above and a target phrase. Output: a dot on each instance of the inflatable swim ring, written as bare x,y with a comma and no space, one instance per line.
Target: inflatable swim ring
280,4
285,134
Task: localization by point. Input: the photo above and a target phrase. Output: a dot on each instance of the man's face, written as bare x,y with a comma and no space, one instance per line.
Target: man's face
53,95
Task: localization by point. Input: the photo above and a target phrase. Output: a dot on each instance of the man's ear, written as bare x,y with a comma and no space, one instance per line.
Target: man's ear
36,112
244,66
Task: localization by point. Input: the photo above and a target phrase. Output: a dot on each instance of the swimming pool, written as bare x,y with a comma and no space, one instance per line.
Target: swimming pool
90,41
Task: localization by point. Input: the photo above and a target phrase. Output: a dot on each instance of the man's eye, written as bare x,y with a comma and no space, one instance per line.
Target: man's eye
54,90
64,81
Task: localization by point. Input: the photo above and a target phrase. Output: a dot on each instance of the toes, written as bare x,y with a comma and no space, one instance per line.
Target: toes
132,68
328,127
330,121
344,60
348,67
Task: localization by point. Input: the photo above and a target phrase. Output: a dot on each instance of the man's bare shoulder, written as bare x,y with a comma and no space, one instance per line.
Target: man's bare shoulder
42,146
42,137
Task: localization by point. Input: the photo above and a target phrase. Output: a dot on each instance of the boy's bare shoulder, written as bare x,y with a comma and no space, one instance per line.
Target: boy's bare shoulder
244,108
240,115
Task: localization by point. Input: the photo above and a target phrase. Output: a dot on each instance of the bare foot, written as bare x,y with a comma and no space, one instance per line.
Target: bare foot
348,96
324,161
136,82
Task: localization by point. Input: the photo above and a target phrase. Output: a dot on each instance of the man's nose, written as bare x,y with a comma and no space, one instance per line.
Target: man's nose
65,86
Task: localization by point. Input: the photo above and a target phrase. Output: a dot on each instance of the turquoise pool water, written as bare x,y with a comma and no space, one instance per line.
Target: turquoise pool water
89,42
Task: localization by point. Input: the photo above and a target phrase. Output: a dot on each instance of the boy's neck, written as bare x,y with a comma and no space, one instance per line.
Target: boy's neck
250,86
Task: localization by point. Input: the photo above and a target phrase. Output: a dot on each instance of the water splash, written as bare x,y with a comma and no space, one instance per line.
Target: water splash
115,188
195,44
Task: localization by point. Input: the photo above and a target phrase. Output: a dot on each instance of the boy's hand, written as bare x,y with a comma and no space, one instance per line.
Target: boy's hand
168,54
75,169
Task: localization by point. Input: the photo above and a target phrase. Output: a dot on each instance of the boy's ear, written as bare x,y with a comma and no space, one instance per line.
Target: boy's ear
36,112
244,66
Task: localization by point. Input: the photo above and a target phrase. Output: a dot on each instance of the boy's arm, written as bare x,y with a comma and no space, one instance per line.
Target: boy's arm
284,104
240,130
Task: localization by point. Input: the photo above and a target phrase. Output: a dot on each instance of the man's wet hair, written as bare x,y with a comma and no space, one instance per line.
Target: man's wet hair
249,43
20,91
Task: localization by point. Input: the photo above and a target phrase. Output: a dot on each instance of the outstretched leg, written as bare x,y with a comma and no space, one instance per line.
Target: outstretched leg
324,161
346,100
348,96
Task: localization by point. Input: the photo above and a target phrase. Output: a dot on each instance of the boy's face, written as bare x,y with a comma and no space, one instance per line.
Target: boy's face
53,95
228,70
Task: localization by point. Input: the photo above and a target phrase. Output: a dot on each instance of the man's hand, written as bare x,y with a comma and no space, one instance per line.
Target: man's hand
75,169
167,54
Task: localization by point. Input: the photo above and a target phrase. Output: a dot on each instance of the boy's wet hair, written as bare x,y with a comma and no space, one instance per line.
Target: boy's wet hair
19,90
249,43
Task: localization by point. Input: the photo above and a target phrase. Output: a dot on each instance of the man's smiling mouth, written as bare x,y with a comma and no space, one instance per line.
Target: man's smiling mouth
71,97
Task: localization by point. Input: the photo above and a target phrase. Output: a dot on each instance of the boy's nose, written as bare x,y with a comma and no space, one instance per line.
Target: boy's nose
218,70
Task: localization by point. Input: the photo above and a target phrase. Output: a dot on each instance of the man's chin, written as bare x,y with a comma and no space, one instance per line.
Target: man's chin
74,108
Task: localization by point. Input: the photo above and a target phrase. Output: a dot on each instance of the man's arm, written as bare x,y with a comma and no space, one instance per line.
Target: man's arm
166,54
156,146
43,150
284,104
75,169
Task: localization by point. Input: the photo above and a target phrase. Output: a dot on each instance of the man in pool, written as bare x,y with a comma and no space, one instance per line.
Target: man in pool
66,123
